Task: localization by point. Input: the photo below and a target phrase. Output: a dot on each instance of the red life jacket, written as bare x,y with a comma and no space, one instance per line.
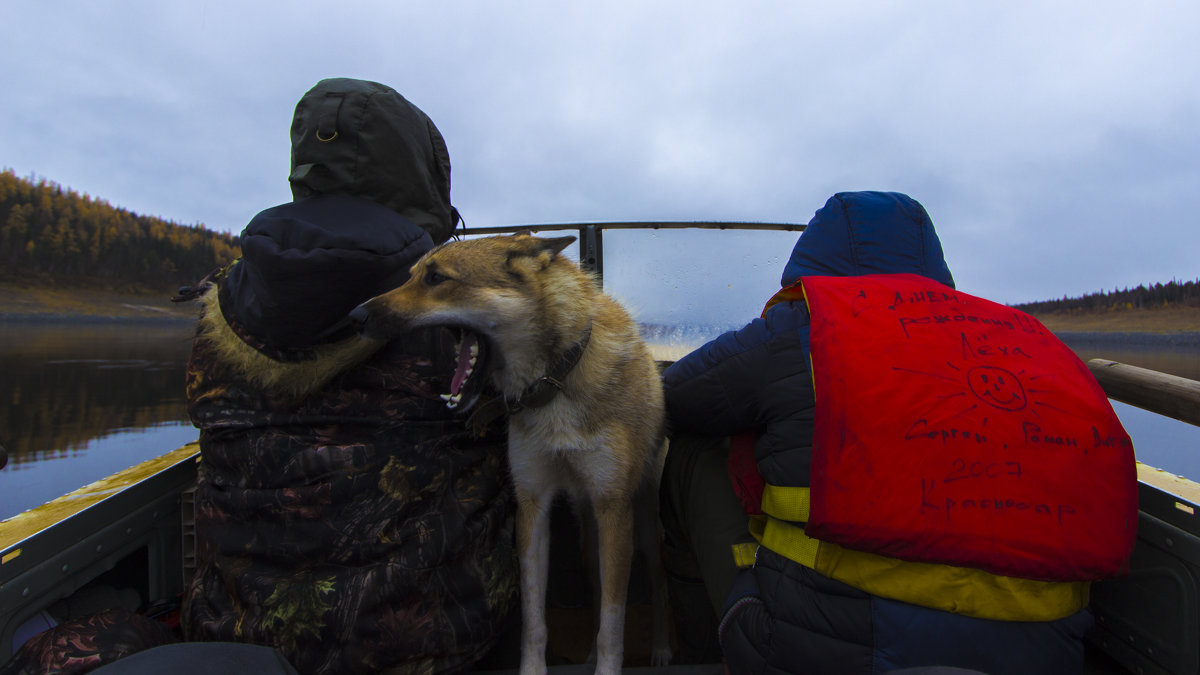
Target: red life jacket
954,430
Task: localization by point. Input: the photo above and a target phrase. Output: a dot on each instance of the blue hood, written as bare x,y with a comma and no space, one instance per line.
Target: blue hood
858,233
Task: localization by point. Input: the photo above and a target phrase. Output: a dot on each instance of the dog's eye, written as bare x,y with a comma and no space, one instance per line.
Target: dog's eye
434,277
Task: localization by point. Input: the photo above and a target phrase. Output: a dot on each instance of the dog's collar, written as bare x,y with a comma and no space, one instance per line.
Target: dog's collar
538,394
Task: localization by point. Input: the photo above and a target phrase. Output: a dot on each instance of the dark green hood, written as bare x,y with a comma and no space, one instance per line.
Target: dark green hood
363,139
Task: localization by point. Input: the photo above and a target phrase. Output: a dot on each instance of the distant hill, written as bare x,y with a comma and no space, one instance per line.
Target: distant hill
56,237
1173,308
1156,296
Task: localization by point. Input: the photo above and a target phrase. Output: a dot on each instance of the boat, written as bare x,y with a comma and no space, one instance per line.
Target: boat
135,528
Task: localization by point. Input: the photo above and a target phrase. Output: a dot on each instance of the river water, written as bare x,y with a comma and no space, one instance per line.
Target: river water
79,401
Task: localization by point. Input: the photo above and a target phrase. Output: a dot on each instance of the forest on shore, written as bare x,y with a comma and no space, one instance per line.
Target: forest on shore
51,236
1171,294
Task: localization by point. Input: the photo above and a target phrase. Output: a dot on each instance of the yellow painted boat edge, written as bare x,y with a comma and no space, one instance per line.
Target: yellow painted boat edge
24,525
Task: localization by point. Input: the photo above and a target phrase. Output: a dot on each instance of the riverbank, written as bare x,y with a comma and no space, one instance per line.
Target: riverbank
1168,327
19,303
1173,325
1162,320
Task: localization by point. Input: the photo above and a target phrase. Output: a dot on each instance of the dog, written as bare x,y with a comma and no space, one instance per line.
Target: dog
584,403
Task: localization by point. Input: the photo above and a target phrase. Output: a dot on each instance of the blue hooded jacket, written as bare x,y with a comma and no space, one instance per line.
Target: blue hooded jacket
757,378
782,616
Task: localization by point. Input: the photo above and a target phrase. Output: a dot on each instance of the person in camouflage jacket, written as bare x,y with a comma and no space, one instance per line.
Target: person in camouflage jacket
344,514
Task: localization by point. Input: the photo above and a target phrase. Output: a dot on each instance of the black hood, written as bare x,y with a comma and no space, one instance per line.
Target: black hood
307,263
361,138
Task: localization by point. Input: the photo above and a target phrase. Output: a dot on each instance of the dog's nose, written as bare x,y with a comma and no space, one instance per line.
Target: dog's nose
359,315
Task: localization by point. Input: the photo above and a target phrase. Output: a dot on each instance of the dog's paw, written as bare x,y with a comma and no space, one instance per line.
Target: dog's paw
660,657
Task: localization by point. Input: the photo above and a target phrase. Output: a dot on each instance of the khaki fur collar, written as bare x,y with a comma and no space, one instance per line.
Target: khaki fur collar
290,380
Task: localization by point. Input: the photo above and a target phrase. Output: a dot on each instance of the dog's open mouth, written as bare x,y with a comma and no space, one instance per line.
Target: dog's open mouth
470,370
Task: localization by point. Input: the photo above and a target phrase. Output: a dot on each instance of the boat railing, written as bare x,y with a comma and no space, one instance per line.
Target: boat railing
1170,395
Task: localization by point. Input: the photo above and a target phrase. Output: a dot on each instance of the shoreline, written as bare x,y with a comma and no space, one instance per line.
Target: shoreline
1167,326
33,304
1179,339
49,317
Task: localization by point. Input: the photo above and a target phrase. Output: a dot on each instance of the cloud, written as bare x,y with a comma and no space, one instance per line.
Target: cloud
1054,145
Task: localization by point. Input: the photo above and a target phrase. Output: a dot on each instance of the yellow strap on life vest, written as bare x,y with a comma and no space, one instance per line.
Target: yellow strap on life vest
782,504
961,590
786,503
744,554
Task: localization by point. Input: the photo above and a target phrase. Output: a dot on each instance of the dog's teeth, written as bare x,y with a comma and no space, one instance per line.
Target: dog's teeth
452,400
474,352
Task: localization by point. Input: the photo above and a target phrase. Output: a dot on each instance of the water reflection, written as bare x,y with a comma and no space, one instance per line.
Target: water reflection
81,400
1159,441
1179,356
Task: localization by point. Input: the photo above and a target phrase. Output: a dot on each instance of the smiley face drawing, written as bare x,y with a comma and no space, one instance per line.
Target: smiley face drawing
997,387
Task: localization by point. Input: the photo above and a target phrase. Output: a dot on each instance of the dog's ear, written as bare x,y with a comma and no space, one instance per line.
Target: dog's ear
557,244
541,251
525,245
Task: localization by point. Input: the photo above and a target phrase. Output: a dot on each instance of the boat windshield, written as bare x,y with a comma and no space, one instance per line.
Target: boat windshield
687,285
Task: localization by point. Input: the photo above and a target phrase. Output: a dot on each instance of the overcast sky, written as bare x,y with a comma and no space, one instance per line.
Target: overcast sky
1055,144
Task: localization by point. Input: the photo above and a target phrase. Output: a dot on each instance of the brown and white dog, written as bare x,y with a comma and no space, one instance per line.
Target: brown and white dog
585,408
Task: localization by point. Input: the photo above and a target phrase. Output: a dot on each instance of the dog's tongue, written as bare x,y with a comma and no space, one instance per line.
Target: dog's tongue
465,362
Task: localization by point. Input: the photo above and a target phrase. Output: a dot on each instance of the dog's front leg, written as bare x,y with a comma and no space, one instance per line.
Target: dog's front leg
614,519
533,544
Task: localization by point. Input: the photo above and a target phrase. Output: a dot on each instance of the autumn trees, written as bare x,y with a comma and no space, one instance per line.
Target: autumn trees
49,234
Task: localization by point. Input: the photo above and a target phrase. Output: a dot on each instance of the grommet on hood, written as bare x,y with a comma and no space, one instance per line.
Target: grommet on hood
362,138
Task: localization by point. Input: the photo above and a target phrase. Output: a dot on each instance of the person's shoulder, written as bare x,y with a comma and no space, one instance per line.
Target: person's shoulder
338,222
786,316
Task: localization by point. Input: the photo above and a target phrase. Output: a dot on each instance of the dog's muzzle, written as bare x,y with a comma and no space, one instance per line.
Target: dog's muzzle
471,351
367,323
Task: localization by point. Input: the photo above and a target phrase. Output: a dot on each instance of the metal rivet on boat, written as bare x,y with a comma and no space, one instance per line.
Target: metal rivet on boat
65,568
99,547
24,592
1169,541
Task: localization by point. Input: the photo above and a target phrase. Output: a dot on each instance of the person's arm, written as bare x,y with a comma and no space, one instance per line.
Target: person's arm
719,388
